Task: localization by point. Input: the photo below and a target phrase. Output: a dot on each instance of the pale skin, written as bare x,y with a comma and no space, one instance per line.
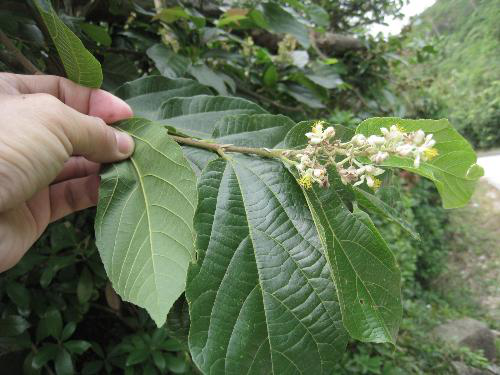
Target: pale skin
53,138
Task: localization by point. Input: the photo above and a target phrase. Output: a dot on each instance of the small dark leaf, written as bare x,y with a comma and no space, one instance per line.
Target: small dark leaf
18,294
13,326
46,353
50,324
85,286
63,363
68,331
77,346
137,356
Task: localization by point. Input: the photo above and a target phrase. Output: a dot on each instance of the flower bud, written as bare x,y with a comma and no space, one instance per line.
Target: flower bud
329,132
359,140
404,150
418,137
379,157
375,140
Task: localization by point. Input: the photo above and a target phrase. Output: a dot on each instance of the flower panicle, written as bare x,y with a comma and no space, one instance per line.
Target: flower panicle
323,150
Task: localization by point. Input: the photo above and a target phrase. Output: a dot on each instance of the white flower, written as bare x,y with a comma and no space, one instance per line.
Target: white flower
329,132
318,172
375,140
404,150
379,157
359,140
418,137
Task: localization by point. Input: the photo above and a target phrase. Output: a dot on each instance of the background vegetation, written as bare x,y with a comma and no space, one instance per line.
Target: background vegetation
305,59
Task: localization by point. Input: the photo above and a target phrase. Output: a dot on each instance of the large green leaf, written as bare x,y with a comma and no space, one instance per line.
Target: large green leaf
262,130
261,296
145,95
144,221
280,21
454,171
364,269
197,115
79,64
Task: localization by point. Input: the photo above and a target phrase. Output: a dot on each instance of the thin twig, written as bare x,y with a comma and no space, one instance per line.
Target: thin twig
25,63
221,149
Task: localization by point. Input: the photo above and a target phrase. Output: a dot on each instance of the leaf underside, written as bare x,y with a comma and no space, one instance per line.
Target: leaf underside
144,221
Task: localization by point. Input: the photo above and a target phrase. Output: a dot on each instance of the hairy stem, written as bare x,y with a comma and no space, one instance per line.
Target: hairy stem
221,149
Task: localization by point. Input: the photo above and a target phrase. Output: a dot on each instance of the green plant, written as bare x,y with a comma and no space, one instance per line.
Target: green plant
281,274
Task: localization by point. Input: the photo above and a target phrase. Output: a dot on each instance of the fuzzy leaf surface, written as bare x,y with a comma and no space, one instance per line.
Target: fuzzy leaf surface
144,222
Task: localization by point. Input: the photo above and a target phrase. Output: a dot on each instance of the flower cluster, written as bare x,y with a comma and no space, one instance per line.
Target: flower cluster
323,150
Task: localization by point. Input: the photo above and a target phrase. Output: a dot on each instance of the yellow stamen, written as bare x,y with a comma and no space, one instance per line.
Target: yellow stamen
317,126
376,183
431,153
305,181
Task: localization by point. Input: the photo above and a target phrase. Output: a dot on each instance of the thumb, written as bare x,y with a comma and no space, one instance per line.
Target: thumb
91,137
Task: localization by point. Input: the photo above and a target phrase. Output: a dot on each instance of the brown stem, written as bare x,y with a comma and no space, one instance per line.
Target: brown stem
221,149
25,63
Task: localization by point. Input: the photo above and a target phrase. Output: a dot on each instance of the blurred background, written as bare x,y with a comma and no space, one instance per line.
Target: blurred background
338,60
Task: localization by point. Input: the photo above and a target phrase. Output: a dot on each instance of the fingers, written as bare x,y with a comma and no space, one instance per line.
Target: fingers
83,135
73,195
93,102
77,167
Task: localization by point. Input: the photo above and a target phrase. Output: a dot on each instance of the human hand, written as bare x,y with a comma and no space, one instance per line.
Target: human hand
53,135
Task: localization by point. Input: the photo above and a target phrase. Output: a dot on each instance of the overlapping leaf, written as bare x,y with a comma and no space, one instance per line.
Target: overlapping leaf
261,295
454,171
145,95
144,222
365,271
262,130
79,64
197,115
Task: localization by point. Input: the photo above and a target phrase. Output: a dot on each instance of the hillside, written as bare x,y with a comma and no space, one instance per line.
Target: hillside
463,77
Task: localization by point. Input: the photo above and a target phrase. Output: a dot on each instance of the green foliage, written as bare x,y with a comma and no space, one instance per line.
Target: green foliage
279,275
461,76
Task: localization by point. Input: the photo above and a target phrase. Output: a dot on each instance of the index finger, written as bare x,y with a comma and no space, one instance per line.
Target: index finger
93,102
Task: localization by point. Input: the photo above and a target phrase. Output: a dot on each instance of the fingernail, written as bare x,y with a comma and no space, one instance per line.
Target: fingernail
125,143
